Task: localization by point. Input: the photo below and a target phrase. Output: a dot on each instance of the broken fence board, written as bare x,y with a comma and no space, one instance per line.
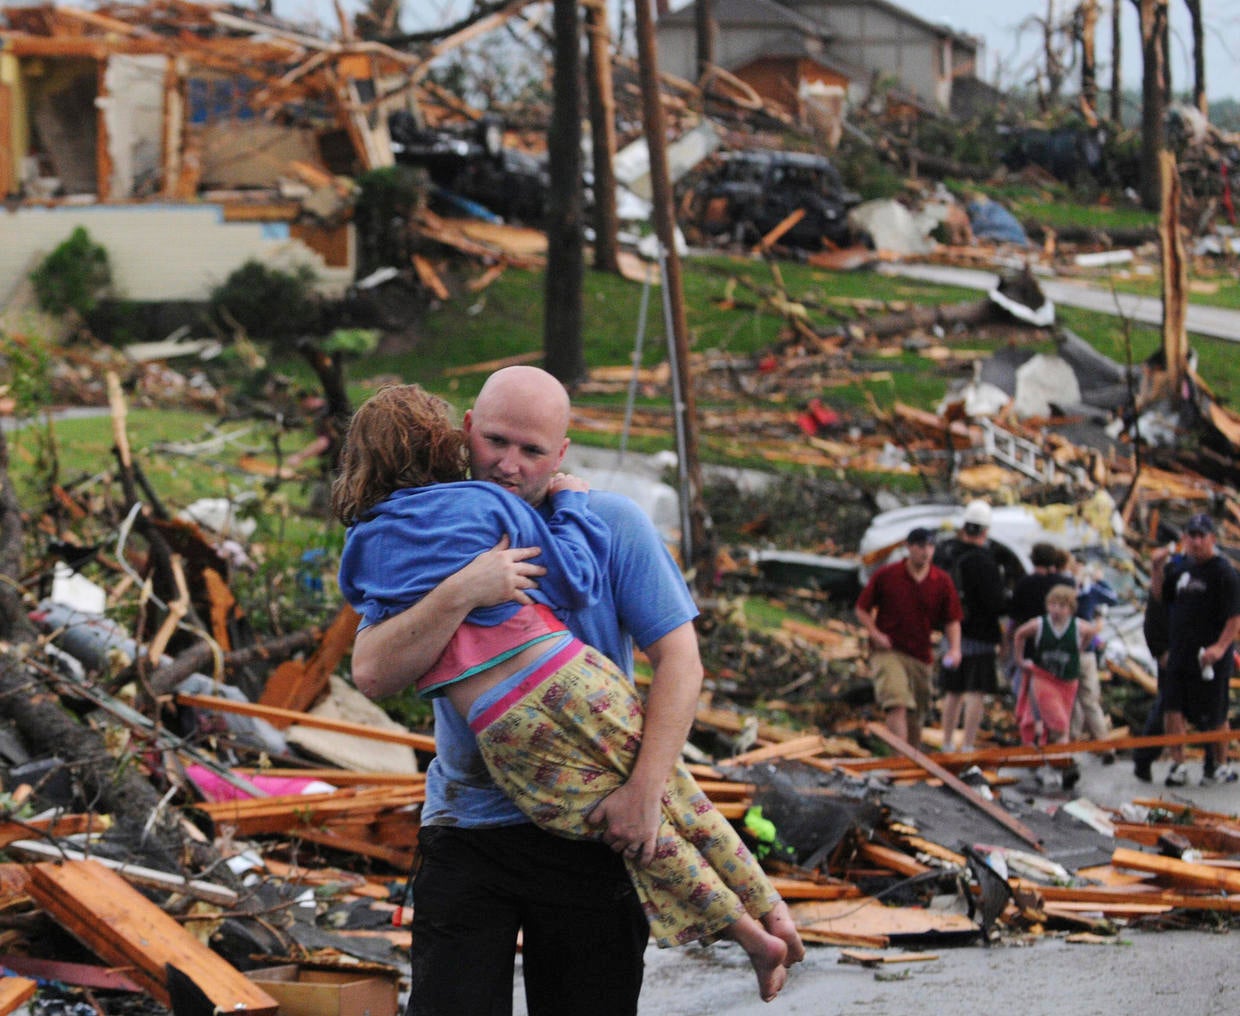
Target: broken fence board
125,929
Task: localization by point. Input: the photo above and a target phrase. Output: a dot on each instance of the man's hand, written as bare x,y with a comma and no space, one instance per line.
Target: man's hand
951,660
390,656
880,640
567,481
630,822
500,574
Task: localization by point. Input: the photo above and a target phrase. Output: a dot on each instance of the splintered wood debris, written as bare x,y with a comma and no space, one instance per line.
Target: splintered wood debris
249,819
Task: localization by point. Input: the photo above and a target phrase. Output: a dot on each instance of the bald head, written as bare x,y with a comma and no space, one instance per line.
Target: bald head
533,387
518,430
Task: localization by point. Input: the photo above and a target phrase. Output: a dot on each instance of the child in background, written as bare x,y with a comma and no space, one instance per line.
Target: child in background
1052,668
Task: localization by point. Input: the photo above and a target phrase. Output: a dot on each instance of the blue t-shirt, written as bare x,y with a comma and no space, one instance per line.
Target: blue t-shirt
643,599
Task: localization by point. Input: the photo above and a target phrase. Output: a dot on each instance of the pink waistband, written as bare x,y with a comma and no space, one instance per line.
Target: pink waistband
532,680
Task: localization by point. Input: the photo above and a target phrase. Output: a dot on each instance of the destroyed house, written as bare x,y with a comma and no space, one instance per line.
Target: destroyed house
792,51
209,133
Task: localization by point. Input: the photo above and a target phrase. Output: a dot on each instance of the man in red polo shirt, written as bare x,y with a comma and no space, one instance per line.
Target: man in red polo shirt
900,607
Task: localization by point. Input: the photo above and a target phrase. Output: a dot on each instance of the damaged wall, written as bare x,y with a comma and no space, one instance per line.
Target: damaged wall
133,112
164,251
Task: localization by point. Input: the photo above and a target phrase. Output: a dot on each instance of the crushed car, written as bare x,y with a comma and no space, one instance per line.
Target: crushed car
749,193
472,169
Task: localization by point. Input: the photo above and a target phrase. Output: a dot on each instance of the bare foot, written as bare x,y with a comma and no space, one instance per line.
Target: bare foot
766,952
779,923
768,964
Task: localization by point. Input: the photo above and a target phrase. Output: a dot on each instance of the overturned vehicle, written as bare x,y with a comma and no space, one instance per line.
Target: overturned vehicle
750,193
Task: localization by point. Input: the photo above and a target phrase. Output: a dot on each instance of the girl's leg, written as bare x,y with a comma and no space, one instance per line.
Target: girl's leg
568,744
701,824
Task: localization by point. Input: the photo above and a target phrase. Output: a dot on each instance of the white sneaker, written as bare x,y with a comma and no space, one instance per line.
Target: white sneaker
1223,774
1177,775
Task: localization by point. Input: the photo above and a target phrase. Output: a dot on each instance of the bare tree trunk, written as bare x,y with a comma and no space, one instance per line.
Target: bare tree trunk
1117,88
1054,61
1174,274
562,313
1199,56
1088,25
603,140
1155,92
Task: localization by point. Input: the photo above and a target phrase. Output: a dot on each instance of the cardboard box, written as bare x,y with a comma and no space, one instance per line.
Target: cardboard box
327,992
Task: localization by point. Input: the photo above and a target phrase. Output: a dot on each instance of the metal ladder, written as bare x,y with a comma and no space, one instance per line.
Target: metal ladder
1023,455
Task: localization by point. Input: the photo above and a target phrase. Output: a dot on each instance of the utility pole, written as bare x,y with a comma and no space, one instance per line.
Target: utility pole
698,554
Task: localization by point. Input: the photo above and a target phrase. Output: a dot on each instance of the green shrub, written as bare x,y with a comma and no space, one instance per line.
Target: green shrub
268,303
73,277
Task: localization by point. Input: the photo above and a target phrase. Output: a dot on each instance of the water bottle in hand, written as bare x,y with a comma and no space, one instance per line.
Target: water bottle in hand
1207,669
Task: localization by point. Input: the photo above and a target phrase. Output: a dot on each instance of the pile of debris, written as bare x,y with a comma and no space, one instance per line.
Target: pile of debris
218,815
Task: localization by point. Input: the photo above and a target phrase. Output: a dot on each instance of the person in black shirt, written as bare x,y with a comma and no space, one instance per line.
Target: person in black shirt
983,597
1203,613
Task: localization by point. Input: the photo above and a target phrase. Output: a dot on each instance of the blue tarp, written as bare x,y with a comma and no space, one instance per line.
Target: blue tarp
991,221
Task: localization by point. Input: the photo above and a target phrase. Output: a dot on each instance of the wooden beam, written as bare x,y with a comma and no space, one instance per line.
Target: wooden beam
127,930
995,811
419,742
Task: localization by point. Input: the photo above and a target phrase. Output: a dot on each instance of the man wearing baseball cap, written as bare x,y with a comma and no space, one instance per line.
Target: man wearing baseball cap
1202,596
901,605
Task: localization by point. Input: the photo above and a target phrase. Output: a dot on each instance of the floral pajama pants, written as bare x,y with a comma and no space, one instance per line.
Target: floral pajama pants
563,738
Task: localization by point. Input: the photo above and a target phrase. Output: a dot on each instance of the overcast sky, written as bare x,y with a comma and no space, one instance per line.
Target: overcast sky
1010,49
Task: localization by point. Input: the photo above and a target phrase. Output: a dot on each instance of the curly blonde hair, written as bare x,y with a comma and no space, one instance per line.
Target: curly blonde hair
400,437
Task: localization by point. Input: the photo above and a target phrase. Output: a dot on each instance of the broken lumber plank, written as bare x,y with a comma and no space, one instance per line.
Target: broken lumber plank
419,742
82,975
1184,873
489,366
340,777
297,684
810,744
1103,896
430,278
1215,839
804,889
894,860
870,917
878,959
995,811
773,237
127,930
295,812
60,825
135,873
15,992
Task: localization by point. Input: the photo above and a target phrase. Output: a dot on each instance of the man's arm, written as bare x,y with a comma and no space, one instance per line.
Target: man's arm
631,814
878,638
390,656
1158,571
1217,650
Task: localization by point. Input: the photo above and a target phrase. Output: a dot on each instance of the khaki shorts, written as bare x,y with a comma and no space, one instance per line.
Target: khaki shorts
901,680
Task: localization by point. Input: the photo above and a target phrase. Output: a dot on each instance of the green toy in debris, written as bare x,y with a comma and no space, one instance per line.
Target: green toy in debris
766,836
